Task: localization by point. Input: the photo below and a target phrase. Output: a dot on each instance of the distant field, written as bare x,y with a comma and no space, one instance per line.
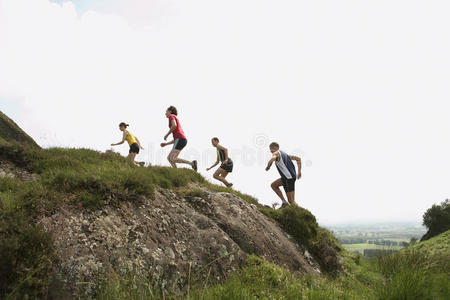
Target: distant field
360,247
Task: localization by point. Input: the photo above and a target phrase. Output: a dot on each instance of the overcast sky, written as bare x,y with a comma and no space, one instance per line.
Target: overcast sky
359,89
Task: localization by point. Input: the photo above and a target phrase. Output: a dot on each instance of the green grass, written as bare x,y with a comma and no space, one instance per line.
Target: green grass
437,246
192,192
410,274
404,275
26,255
258,279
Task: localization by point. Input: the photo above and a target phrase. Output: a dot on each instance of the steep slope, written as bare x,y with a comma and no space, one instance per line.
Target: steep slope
90,214
10,132
78,216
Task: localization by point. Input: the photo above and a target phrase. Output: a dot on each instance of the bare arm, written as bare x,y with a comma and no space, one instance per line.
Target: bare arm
271,161
139,143
172,129
299,165
215,164
123,139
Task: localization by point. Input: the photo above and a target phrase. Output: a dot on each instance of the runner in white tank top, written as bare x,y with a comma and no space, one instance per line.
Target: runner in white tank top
287,172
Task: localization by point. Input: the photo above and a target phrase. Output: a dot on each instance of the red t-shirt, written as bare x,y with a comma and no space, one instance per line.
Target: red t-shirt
178,132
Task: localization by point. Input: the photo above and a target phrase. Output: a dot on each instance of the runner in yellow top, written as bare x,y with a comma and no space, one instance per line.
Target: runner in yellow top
130,139
133,141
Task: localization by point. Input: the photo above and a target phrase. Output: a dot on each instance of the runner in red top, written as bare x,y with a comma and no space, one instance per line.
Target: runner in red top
179,140
178,133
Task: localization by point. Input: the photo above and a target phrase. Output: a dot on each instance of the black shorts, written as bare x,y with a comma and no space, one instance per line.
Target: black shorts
288,184
228,166
179,144
134,148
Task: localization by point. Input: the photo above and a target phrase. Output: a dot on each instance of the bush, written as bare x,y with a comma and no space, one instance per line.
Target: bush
296,221
325,248
437,219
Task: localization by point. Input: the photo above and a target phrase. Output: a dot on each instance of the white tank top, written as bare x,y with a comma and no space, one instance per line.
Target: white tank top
282,166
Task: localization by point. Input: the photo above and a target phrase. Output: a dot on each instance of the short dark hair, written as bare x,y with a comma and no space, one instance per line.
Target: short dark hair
124,124
274,145
173,110
216,139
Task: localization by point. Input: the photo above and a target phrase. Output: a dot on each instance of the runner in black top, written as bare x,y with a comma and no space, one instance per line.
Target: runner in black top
227,164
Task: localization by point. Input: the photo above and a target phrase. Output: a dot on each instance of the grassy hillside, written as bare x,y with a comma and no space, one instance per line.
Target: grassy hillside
421,271
89,180
436,247
10,132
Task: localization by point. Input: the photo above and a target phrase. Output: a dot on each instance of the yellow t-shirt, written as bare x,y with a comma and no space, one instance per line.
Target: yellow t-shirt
130,138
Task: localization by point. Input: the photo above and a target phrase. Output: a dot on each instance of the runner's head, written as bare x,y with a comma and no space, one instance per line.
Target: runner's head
171,110
215,141
123,126
274,147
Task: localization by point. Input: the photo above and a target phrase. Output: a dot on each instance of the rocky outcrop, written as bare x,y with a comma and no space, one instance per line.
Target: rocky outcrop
168,239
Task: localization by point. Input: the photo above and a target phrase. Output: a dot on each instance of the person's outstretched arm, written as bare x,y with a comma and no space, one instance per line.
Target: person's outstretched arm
123,140
139,143
271,161
299,165
173,126
215,164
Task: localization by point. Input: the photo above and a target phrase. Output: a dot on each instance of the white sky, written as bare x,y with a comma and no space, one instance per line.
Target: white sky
359,89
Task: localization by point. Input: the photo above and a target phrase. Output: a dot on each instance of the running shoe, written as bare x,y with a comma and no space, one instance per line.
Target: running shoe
284,205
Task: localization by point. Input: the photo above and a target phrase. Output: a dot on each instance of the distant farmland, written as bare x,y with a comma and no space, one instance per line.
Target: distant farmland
361,247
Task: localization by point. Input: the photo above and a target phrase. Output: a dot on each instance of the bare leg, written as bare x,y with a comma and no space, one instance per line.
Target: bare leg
291,197
173,158
132,157
276,188
220,175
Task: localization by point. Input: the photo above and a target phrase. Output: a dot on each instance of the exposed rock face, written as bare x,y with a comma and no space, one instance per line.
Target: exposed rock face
167,239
